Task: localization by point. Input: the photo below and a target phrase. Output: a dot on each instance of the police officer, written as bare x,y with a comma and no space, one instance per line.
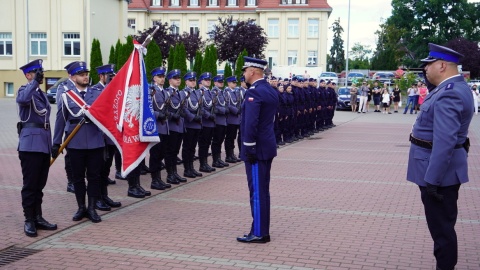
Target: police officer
241,91
220,122
104,203
157,152
208,121
193,124
233,100
259,147
86,147
438,153
34,146
176,127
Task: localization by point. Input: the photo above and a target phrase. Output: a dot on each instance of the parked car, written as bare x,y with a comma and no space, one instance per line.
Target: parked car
343,98
329,76
384,77
354,77
52,91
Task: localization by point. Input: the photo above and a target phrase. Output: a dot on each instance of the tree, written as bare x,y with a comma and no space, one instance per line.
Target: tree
163,37
197,67
239,64
227,70
192,43
231,38
205,61
180,62
111,56
118,48
125,51
337,53
95,60
213,60
153,59
359,57
471,51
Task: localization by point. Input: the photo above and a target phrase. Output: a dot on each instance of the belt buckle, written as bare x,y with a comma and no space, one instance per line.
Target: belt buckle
46,126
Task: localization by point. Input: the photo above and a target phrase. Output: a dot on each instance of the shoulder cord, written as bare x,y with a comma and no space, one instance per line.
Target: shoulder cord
171,100
219,102
206,104
231,99
155,101
42,112
190,101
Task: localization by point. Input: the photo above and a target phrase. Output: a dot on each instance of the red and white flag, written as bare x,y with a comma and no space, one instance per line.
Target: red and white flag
124,112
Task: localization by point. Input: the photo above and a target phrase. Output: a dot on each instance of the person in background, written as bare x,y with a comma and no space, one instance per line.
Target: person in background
353,97
386,101
422,93
411,98
397,96
363,91
475,98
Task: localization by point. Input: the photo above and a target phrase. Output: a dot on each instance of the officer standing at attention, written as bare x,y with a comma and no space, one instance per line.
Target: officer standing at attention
439,148
220,123
86,147
233,99
241,91
208,121
104,203
259,146
35,142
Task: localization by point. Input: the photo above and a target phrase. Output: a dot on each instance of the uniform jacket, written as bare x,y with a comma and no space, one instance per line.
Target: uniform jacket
289,103
207,108
191,108
159,99
258,115
175,101
444,119
234,104
89,136
34,107
220,108
99,86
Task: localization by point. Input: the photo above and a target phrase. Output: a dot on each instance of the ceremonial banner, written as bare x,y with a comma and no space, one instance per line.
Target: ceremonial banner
124,112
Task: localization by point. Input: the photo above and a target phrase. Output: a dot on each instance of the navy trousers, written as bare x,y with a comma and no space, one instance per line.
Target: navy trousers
258,177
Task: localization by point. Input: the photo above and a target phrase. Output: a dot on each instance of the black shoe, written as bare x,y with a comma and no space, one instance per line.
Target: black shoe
80,214
203,168
188,173
172,180
179,178
254,239
29,228
157,186
110,202
133,190
110,181
119,176
164,184
70,187
146,192
102,206
91,213
217,164
230,159
42,224
224,164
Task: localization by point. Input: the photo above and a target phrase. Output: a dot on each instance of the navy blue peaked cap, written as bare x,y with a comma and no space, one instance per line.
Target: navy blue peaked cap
438,52
32,66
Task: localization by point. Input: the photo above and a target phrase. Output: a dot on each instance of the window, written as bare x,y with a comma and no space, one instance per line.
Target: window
174,3
212,3
313,28
251,3
6,44
211,27
175,27
156,22
38,44
293,28
273,28
9,89
312,58
293,2
272,58
292,58
194,28
232,3
71,44
156,2
131,23
193,3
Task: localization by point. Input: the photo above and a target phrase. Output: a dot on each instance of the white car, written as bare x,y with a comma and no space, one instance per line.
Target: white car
329,76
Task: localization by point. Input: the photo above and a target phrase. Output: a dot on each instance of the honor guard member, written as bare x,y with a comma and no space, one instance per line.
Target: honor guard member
193,124
176,127
157,152
241,90
233,100
258,146
86,147
35,141
220,122
290,113
208,121
439,148
104,203
282,115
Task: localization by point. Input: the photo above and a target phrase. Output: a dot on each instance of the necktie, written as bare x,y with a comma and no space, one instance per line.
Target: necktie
83,94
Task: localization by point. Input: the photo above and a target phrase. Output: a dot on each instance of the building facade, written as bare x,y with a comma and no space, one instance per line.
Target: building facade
296,29
56,31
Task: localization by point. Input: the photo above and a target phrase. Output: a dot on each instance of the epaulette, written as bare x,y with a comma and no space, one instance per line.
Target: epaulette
95,88
252,87
449,86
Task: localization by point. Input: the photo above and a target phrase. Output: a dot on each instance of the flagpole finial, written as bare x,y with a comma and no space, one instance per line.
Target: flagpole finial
150,37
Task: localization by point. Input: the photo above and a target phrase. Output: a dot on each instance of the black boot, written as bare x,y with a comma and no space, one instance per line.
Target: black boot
178,177
40,222
216,163
188,170
111,202
229,157
225,164
203,165
101,205
171,177
29,227
155,181
91,212
82,209
133,191
147,192
119,176
192,169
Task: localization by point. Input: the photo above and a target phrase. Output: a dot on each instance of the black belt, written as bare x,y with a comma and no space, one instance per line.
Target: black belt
76,121
36,125
427,144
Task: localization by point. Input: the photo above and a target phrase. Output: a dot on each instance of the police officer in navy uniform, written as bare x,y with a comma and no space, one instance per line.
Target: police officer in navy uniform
220,122
104,203
157,152
176,127
193,124
34,146
259,146
233,99
86,147
208,121
439,148
241,91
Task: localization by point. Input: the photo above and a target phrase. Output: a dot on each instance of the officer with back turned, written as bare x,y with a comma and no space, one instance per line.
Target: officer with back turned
34,146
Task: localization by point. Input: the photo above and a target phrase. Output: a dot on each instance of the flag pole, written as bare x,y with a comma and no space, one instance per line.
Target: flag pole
68,139
150,37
